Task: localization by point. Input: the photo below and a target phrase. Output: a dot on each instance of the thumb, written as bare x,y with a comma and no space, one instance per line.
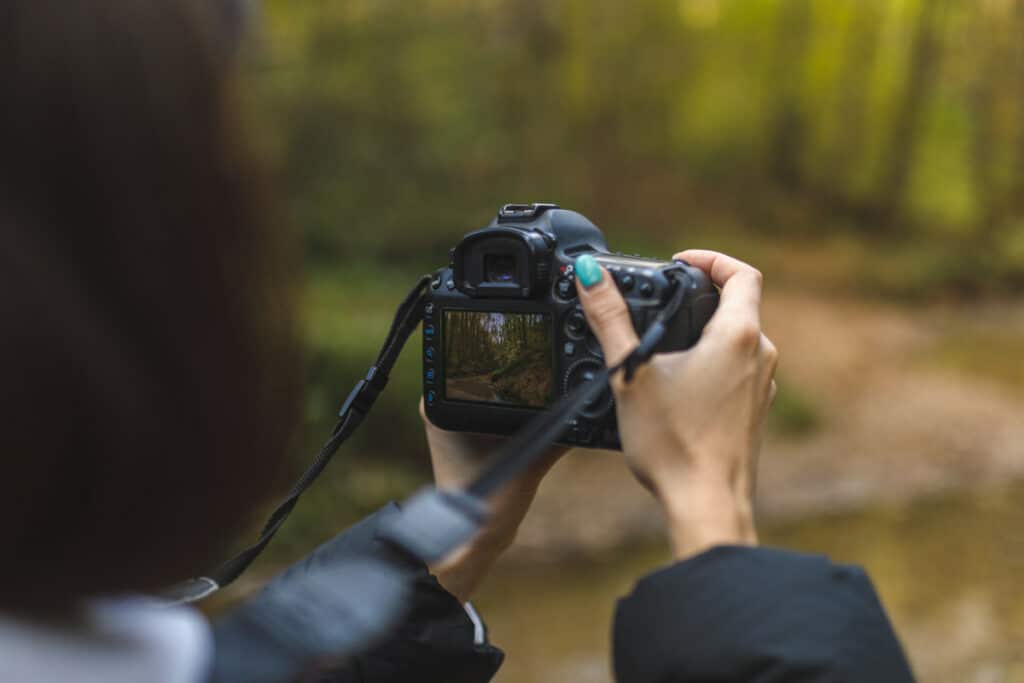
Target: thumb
605,309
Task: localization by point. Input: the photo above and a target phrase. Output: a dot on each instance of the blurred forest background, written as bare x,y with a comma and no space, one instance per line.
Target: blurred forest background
867,155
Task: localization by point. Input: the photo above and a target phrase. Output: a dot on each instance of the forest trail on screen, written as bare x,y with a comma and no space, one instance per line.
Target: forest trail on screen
498,357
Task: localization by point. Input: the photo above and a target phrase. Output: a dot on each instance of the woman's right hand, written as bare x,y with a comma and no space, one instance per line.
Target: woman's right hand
691,421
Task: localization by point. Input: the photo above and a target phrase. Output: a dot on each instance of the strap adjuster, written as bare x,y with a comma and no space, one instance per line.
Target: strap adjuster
365,392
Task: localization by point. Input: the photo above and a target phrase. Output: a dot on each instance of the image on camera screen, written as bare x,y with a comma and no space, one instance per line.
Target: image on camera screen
502,358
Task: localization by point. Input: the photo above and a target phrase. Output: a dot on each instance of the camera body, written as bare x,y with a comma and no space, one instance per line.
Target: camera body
504,335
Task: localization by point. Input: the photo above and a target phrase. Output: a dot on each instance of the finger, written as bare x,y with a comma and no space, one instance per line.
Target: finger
767,402
769,354
770,357
740,282
719,267
605,309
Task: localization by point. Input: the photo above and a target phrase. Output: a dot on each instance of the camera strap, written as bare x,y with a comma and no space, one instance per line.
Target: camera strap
434,522
356,406
533,440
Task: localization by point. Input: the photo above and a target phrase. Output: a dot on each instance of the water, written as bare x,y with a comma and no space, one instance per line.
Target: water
949,570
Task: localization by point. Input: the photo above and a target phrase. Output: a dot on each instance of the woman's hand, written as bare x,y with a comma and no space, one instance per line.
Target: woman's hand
691,421
456,458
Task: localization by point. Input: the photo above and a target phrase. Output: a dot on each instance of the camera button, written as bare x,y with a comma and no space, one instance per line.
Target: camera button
626,282
569,349
646,288
429,375
581,372
428,330
428,309
565,289
576,324
429,353
431,397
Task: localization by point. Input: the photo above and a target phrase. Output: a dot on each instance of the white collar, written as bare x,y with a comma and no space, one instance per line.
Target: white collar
123,640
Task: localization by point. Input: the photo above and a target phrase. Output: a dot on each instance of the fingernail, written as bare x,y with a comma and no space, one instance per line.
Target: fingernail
587,270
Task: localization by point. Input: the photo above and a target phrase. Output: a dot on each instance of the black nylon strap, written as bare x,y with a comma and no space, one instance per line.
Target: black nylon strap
516,454
520,451
350,416
533,440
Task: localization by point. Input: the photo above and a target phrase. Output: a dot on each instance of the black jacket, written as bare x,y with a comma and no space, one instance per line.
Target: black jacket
756,614
730,614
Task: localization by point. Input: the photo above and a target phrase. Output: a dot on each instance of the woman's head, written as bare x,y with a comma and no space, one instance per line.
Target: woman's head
146,350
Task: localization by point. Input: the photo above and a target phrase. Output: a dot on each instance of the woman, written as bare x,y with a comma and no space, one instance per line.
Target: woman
149,364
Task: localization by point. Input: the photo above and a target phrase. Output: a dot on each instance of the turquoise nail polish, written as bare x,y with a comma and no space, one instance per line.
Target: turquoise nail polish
587,270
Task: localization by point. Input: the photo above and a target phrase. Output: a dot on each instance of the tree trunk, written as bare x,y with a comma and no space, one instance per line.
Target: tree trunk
981,100
905,131
854,82
788,127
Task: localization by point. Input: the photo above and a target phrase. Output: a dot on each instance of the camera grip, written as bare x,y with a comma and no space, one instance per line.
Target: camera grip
701,302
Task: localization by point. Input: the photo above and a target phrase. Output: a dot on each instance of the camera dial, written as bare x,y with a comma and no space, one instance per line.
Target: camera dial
576,324
581,372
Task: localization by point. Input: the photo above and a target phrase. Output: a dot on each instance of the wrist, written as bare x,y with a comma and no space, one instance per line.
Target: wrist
462,571
705,514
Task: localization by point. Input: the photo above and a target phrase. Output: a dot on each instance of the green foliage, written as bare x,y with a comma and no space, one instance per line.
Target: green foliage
793,415
348,312
399,126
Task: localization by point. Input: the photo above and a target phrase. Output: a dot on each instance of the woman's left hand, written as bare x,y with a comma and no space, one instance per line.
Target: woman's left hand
456,457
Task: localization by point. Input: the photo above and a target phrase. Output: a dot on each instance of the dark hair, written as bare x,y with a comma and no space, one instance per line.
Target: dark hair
148,349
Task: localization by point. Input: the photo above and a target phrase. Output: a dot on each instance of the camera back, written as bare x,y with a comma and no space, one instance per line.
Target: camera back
504,335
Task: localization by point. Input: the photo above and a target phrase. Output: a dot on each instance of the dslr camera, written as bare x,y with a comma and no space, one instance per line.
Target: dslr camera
504,335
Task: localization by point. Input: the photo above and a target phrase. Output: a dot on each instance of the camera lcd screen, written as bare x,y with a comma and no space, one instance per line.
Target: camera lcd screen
502,358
